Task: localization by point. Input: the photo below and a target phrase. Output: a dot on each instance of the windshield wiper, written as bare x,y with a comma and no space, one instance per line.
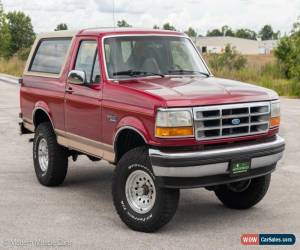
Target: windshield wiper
131,72
184,71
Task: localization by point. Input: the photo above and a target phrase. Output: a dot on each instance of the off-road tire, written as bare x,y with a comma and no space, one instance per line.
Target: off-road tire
57,157
166,200
256,190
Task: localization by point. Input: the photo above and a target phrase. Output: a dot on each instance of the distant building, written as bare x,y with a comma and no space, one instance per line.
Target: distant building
267,46
243,46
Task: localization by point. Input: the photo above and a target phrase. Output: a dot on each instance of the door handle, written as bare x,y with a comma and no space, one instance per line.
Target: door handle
69,90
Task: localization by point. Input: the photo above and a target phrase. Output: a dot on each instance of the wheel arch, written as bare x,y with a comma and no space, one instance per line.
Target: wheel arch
130,133
41,114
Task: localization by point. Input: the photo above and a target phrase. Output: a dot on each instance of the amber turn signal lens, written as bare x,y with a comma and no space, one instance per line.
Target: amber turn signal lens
174,131
274,122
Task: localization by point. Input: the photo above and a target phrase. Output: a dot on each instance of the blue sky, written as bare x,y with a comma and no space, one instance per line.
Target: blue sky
200,14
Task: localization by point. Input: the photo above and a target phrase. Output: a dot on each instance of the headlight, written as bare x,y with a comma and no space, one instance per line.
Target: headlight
174,123
275,114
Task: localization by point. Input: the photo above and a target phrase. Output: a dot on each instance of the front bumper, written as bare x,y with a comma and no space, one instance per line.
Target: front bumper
211,167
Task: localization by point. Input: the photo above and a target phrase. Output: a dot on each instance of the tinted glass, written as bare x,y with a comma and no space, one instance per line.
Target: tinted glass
50,55
87,61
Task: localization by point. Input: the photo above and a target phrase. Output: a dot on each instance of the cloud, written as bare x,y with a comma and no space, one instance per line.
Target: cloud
200,14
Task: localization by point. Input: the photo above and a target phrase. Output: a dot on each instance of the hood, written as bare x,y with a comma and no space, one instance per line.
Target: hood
193,91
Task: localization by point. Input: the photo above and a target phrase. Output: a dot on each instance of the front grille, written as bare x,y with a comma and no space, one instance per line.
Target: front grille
224,121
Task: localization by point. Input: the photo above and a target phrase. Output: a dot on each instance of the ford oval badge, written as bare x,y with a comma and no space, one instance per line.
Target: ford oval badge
236,121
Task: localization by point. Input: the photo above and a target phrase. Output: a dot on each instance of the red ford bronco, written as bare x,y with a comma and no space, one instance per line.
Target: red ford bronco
145,101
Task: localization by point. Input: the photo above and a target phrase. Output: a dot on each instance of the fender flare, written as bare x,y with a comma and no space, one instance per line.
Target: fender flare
43,107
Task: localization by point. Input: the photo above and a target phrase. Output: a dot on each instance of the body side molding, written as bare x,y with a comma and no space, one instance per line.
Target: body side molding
85,145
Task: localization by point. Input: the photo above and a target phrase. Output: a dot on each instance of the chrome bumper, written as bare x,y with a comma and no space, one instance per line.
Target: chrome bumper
215,162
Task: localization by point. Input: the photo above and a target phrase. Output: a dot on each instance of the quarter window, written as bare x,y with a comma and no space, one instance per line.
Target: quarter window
50,55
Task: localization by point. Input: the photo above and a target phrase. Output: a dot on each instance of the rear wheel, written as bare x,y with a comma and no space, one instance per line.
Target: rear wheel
243,194
141,204
50,159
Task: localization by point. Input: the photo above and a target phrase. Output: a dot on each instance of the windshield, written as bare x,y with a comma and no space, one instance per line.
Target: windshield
134,56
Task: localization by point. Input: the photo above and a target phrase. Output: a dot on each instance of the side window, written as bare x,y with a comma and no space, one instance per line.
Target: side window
87,61
50,55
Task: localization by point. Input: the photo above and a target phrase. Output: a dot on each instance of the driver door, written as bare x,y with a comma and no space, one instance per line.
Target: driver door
83,101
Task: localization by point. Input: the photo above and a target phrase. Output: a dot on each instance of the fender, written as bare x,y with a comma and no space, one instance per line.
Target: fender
133,123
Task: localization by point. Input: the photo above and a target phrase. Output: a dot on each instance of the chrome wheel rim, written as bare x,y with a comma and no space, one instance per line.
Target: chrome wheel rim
43,154
239,186
140,191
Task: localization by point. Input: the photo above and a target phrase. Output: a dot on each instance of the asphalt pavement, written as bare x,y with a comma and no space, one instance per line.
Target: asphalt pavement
80,214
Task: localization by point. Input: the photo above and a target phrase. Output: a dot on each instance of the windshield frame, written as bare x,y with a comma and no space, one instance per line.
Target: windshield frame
145,35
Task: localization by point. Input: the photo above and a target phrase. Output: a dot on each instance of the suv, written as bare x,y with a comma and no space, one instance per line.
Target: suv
145,101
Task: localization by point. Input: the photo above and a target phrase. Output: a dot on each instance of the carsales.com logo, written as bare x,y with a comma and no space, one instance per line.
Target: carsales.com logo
268,239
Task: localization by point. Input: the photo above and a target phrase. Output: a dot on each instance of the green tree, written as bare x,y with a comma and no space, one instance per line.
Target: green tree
224,31
191,32
214,32
123,23
156,27
61,26
267,33
21,30
5,37
246,33
168,26
288,52
285,55
296,27
227,31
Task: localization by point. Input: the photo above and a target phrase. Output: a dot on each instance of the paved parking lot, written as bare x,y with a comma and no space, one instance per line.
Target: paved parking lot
79,214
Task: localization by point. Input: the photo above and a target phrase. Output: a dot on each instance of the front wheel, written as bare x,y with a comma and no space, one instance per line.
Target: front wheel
141,204
243,194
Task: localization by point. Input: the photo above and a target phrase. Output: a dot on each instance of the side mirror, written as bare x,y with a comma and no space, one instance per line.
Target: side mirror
77,77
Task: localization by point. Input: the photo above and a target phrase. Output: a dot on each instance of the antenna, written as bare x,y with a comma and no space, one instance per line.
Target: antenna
1,6
114,17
